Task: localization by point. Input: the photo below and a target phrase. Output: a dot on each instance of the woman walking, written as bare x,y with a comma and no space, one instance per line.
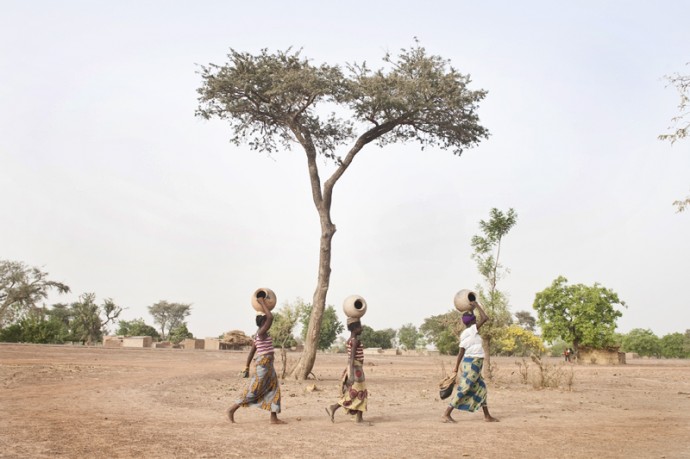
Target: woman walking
471,393
263,390
354,387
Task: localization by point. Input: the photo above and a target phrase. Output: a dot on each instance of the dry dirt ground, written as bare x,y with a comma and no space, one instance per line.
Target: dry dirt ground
95,402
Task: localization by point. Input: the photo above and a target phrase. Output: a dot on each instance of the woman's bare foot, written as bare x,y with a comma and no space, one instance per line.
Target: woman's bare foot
230,412
447,418
275,420
487,416
331,413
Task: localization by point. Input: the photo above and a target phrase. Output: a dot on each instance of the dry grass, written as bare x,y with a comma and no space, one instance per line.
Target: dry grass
544,375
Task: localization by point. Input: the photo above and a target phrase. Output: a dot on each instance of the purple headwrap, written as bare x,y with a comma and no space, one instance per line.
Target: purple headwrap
467,318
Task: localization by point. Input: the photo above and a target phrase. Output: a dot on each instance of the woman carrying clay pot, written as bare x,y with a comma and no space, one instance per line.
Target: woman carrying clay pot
471,392
354,387
263,390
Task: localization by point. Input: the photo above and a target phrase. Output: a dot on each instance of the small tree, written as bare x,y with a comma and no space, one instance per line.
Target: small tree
526,320
383,339
87,323
331,327
408,336
673,346
284,322
443,331
578,314
137,327
169,315
487,253
278,100
518,341
21,290
179,333
643,342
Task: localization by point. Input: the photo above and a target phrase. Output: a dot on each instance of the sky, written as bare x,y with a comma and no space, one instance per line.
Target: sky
111,184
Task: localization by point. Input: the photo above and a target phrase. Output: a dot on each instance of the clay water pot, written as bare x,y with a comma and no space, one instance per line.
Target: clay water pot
354,306
266,293
463,300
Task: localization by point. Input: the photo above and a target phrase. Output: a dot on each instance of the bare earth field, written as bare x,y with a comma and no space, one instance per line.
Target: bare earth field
95,402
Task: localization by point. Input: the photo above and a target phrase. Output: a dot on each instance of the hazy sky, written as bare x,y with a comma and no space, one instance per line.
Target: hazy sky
111,184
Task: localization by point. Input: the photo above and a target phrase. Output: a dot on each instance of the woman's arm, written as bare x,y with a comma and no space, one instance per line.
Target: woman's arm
461,354
269,317
482,315
351,364
252,351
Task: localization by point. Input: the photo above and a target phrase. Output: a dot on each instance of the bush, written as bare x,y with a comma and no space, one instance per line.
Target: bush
33,329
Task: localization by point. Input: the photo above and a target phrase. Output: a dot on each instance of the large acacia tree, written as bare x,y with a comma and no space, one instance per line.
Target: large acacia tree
277,100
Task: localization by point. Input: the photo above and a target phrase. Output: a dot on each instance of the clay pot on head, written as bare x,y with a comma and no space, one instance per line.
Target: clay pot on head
463,300
354,306
266,293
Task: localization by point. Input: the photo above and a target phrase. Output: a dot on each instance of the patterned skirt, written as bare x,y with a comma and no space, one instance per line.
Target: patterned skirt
471,393
354,397
263,390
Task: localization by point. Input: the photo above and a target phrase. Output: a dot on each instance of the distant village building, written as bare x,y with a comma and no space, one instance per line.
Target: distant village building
193,343
137,341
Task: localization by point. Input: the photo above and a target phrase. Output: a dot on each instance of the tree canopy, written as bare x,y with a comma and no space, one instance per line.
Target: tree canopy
518,341
681,122
22,288
169,315
271,101
87,321
526,320
443,331
578,314
179,333
277,100
645,343
35,328
136,327
642,341
284,322
330,327
409,336
383,339
675,345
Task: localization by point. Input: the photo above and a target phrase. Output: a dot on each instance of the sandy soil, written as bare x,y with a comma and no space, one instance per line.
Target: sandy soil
94,402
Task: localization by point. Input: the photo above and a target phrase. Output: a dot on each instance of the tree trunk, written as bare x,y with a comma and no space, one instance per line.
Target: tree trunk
486,369
322,201
311,341
283,357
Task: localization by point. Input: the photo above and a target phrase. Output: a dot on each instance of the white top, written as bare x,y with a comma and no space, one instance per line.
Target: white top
471,341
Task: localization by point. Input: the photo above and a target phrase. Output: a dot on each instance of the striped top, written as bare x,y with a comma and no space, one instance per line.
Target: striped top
359,352
263,346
